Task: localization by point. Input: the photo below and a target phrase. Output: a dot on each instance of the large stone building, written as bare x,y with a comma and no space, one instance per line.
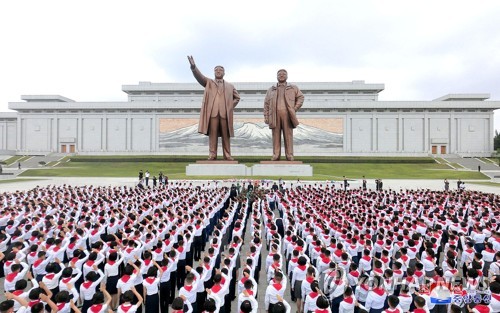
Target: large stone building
336,119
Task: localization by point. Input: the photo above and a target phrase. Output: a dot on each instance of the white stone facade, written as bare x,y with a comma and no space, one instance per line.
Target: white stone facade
460,124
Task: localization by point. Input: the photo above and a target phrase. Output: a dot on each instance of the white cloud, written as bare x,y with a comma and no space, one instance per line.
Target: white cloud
86,50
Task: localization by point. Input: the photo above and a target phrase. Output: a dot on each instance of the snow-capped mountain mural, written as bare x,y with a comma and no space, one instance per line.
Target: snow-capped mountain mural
251,137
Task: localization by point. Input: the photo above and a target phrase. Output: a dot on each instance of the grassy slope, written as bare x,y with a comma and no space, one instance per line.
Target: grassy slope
322,171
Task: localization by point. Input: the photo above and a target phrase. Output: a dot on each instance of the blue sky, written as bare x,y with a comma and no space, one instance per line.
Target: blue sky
85,50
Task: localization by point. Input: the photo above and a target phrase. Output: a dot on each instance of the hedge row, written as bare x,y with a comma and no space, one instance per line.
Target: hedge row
249,159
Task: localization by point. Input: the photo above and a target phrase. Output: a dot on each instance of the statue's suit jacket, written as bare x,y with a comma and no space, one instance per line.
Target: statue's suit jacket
293,99
231,100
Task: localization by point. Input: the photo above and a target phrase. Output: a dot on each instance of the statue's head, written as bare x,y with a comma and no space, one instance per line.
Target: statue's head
282,76
219,72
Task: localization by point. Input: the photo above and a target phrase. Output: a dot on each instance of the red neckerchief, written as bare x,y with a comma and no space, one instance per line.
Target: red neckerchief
87,284
10,277
36,263
126,307
349,300
96,308
216,288
277,286
33,302
66,280
125,278
379,291
50,276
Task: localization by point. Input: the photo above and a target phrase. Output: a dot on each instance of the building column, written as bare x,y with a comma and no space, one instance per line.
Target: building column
400,133
104,145
374,133
128,132
5,126
79,134
453,136
155,131
19,145
426,134
347,141
52,134
489,135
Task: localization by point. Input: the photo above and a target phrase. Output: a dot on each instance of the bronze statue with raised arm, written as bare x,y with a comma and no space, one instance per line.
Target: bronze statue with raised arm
216,115
281,102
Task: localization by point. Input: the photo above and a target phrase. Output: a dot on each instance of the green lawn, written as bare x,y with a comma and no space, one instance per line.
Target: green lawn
17,180
484,183
322,171
14,159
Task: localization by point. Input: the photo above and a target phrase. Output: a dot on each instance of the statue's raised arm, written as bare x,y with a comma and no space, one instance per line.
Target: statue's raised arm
196,72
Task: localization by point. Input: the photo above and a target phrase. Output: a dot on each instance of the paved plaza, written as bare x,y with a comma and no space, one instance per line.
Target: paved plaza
26,183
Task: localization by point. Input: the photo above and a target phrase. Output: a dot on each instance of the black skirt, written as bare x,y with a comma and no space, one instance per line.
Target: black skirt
111,284
86,305
152,303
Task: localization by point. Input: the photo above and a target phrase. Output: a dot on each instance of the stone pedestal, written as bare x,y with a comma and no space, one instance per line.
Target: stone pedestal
216,162
282,168
217,168
281,162
265,168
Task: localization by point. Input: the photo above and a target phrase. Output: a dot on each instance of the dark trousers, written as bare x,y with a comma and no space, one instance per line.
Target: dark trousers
189,257
139,289
198,242
336,304
181,273
173,283
164,296
200,299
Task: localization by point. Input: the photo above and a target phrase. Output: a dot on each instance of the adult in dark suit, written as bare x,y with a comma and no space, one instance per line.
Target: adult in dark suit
216,115
280,105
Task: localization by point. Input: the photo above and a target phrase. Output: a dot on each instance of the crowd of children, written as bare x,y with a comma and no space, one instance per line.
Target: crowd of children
184,248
